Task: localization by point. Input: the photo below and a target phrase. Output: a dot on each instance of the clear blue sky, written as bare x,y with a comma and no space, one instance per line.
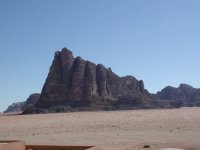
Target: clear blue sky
157,41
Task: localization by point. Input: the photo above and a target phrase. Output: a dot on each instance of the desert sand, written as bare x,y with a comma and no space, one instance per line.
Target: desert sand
128,130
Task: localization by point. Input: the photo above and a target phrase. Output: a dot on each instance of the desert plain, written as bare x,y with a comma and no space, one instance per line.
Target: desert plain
114,130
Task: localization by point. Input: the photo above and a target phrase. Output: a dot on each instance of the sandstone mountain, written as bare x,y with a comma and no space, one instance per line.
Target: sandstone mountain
74,83
184,95
21,106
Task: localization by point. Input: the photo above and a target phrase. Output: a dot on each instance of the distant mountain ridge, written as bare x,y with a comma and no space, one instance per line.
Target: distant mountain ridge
21,106
15,107
75,84
184,95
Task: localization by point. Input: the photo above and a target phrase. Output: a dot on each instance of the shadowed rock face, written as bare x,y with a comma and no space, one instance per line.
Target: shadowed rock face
76,82
31,101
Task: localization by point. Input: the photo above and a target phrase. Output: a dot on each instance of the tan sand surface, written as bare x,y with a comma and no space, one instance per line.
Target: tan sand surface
127,130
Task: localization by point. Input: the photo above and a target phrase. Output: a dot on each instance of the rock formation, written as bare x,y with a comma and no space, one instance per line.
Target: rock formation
21,106
15,107
75,82
31,101
184,95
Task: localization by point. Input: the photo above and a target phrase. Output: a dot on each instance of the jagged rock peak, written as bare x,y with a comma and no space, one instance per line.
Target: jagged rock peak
183,85
77,82
64,50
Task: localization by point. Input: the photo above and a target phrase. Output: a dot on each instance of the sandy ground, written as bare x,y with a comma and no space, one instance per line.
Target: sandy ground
128,130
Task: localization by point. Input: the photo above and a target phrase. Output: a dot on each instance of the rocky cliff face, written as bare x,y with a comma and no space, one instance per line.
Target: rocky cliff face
184,95
75,82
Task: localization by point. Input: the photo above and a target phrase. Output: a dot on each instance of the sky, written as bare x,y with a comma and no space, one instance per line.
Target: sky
156,41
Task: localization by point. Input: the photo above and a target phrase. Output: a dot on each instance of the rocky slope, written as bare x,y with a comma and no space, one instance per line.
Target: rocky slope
184,95
74,83
21,106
